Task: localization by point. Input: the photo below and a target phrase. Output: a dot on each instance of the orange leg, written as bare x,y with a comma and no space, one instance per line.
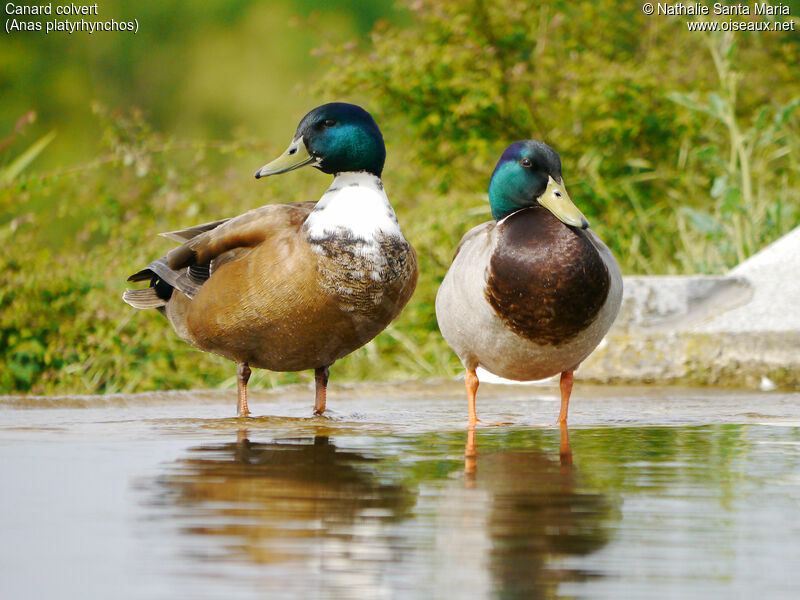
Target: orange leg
242,377
471,381
566,389
565,451
321,380
470,457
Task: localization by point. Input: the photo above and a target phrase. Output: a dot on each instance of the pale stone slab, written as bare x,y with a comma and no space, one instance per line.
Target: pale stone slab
740,329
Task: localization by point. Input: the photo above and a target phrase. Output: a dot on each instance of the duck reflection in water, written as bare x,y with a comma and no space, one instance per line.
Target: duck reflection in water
538,514
322,520
471,451
295,499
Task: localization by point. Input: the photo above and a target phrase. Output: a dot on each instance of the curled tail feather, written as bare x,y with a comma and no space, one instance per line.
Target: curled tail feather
144,298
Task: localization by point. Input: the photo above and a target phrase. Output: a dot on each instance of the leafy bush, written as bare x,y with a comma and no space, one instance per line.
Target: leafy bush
680,147
609,89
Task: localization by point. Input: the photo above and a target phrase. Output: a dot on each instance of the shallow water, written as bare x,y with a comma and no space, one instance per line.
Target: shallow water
652,493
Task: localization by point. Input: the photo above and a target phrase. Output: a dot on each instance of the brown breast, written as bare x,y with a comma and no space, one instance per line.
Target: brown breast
375,284
546,281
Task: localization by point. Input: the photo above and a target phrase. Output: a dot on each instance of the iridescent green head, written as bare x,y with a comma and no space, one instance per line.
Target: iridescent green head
529,174
334,138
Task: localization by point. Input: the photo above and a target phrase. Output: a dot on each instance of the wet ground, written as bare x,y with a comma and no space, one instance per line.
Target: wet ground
652,493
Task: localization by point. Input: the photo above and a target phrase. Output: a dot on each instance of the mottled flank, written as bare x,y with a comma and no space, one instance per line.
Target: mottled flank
368,277
546,281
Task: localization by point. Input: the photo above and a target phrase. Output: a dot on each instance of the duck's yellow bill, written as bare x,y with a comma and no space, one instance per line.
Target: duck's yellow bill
296,156
557,201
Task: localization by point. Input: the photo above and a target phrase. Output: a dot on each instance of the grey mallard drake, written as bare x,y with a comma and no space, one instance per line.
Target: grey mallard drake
531,293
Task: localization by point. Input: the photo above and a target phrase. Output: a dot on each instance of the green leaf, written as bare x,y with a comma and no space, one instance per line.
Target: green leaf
732,202
761,120
701,221
719,186
687,100
784,113
9,173
718,105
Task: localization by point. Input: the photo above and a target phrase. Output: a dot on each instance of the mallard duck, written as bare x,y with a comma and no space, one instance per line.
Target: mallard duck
289,287
532,293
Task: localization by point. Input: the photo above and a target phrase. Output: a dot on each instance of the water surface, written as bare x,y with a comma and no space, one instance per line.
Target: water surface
652,493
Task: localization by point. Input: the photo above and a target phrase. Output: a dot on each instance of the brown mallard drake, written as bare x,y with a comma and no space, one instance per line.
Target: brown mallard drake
289,287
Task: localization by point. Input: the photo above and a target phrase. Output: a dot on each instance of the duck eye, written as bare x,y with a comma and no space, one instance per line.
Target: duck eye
526,162
329,122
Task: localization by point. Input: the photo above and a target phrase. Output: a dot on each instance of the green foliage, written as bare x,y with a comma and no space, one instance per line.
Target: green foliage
212,69
755,190
10,171
598,82
680,166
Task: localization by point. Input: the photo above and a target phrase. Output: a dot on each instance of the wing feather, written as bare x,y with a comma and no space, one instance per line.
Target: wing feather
245,231
207,246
